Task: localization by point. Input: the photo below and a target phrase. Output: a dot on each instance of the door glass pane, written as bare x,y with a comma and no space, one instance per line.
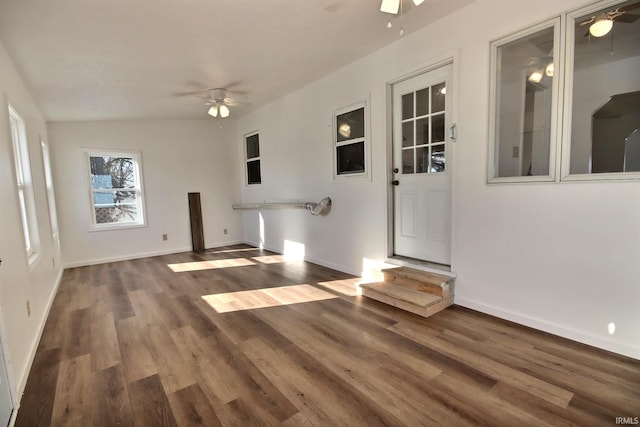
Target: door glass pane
407,106
438,95
422,160
524,86
437,128
437,158
422,131
407,161
407,134
422,102
605,111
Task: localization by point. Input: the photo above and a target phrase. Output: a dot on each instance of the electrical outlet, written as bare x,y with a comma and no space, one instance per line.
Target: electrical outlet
28,308
225,231
165,237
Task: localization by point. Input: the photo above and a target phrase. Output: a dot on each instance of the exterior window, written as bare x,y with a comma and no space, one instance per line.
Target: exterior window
116,189
603,94
587,100
523,93
24,185
350,143
252,156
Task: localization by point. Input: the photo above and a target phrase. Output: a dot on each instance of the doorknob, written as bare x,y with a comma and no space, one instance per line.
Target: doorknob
396,170
395,182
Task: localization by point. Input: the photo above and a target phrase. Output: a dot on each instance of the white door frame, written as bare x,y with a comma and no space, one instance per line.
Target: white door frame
453,60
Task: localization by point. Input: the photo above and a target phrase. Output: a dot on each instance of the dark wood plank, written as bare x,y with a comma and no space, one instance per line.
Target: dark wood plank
192,408
109,399
40,390
149,404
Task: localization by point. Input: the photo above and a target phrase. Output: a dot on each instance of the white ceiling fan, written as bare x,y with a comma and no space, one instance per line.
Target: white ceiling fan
392,6
219,102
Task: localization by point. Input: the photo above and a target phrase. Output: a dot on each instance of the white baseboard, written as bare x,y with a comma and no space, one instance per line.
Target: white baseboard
128,257
312,260
552,328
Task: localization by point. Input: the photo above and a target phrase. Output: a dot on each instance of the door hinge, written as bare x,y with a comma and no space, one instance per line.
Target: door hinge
452,132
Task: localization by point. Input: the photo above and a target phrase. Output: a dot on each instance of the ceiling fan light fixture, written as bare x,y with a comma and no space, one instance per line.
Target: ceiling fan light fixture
601,26
213,111
536,76
390,6
550,69
224,111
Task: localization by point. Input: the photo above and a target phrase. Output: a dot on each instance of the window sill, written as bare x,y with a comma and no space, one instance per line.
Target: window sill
121,226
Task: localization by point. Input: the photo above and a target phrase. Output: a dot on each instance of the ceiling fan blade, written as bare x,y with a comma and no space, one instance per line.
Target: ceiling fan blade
627,18
390,6
629,7
588,21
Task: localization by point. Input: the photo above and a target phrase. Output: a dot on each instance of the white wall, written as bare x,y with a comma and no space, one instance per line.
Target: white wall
20,282
559,257
178,157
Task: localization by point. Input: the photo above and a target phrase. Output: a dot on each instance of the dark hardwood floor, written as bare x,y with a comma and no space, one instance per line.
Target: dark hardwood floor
139,343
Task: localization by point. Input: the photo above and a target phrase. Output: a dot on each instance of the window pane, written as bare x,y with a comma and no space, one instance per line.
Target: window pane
112,172
253,172
350,125
438,95
407,134
523,106
422,102
437,128
605,112
407,161
253,146
350,158
115,207
422,160
422,131
407,106
437,158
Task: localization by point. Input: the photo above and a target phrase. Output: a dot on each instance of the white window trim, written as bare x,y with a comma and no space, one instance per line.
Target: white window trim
139,190
562,103
566,174
51,201
366,139
555,125
253,159
24,186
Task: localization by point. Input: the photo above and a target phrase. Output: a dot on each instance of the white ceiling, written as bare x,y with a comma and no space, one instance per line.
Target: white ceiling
135,59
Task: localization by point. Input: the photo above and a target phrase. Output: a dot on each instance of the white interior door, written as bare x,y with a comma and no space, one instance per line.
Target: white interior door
421,166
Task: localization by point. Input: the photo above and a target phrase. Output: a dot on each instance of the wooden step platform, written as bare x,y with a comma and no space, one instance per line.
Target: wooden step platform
420,292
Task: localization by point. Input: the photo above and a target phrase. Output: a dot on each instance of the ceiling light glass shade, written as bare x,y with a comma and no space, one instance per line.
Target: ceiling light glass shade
224,111
536,76
549,70
345,130
390,6
601,26
213,111
417,2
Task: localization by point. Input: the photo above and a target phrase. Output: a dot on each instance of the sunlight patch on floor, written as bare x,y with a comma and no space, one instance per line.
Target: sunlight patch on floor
266,297
348,287
269,259
210,265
